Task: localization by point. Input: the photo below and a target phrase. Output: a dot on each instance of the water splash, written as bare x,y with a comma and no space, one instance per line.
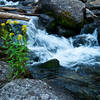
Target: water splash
8,3
46,46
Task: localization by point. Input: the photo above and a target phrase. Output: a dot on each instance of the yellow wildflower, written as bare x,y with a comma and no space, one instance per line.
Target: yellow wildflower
2,24
8,22
15,22
19,37
24,28
11,34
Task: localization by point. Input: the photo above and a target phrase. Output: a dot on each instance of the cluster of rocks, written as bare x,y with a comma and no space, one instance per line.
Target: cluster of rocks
68,17
58,83
63,17
27,89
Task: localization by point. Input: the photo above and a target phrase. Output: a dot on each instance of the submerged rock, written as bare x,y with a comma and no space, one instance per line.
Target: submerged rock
25,89
89,28
85,40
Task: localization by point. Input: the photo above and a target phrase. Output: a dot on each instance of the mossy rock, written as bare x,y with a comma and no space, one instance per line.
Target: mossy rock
53,63
64,20
45,70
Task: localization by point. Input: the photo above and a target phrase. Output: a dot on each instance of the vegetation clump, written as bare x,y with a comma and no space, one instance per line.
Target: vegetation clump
15,44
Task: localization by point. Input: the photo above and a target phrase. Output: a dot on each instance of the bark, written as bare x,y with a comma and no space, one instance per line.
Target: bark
7,15
12,9
8,8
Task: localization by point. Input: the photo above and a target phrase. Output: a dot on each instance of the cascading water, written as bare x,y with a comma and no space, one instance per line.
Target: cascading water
8,3
81,49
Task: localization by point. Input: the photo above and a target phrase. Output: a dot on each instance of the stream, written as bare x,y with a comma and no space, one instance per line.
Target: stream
78,56
79,59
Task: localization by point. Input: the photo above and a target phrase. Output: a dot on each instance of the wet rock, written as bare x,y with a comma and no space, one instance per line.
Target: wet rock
83,83
53,63
45,20
85,40
89,28
28,2
83,80
50,63
98,97
47,69
24,89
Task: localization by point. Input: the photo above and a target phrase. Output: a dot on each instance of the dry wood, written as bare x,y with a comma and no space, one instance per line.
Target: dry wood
12,9
29,14
8,8
7,15
91,13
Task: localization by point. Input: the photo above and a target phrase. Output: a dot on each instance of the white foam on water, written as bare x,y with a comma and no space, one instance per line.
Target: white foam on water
48,47
9,3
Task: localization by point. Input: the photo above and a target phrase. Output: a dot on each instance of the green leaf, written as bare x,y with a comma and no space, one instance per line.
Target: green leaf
16,73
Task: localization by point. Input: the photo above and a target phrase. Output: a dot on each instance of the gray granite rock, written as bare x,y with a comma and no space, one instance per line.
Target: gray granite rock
29,89
4,72
73,8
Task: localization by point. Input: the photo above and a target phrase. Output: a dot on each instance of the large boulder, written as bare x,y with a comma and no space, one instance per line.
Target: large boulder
68,14
70,8
29,89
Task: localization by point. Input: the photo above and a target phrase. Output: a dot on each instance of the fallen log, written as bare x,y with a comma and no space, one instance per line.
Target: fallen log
92,7
89,13
6,15
12,9
8,8
28,14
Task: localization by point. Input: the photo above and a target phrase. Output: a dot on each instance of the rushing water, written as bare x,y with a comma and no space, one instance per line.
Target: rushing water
81,49
8,3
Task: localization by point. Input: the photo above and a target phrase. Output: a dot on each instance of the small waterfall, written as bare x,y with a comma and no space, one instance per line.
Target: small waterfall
81,49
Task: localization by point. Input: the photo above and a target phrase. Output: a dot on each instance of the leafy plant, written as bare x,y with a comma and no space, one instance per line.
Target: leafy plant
15,44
